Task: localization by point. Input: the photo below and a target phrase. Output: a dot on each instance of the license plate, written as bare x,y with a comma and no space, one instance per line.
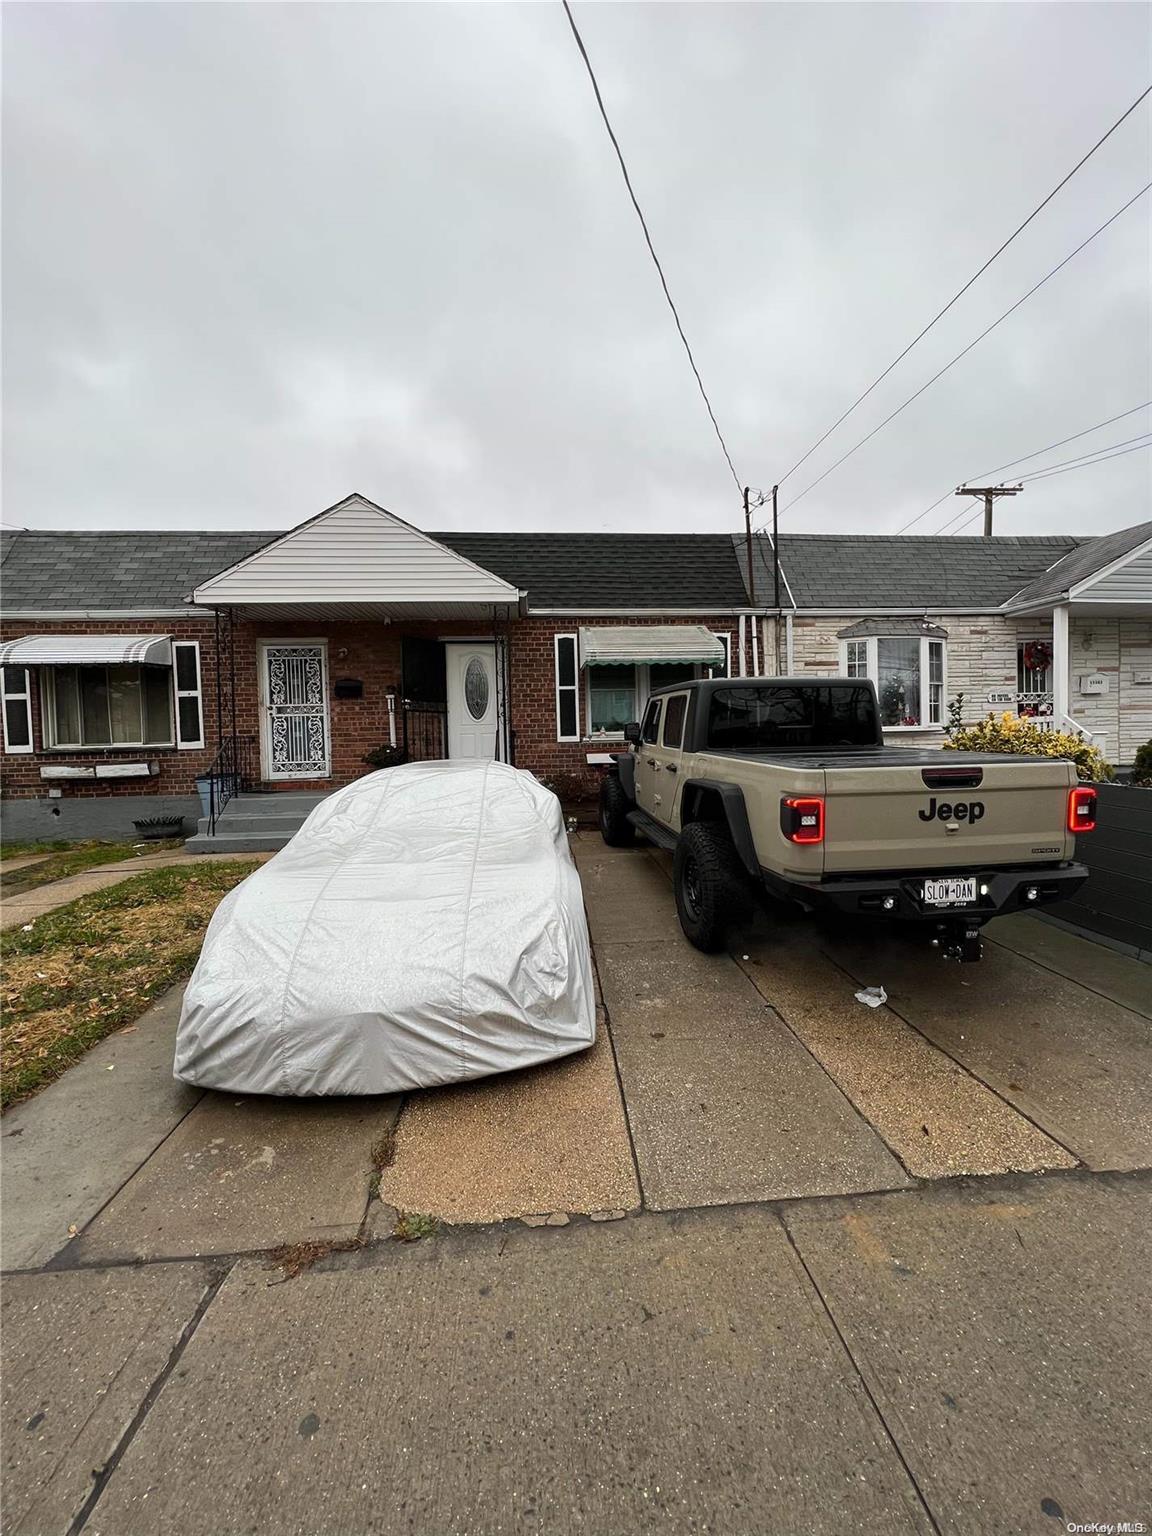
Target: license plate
949,893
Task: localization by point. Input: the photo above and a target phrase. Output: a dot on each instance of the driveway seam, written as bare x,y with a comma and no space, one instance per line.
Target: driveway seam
62,1260
616,1070
803,1044
975,1076
860,1377
1064,976
211,1291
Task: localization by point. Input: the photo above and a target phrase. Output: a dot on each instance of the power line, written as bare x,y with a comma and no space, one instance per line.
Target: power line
960,294
648,239
1076,458
1088,463
987,331
1023,459
1067,470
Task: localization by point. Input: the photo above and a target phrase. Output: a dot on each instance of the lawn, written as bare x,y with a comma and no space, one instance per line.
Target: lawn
69,859
76,974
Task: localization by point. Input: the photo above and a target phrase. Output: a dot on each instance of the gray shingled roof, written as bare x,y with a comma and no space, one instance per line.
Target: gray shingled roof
610,570
1080,563
140,570
839,572
843,572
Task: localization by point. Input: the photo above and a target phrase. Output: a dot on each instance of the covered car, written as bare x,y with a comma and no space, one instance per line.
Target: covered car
424,926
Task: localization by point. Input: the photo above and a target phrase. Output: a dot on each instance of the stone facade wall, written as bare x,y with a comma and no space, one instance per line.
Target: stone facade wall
980,658
1118,649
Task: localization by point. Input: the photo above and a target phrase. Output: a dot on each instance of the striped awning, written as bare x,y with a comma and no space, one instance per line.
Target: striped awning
652,643
87,651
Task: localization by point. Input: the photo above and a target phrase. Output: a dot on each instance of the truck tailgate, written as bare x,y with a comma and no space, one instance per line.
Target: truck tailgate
953,816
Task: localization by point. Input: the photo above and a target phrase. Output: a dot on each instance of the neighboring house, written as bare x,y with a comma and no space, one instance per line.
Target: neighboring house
137,663
1058,628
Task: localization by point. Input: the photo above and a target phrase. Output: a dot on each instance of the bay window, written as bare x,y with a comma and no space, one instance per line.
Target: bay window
909,673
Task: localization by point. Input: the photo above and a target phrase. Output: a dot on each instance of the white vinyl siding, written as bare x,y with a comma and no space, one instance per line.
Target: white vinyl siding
567,674
188,688
16,689
356,554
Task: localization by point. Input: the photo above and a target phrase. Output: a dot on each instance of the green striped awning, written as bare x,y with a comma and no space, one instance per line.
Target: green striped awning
651,643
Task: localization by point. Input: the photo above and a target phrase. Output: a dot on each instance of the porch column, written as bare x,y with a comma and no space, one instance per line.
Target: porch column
1060,661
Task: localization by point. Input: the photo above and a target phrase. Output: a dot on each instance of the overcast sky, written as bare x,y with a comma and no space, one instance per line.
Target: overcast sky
259,256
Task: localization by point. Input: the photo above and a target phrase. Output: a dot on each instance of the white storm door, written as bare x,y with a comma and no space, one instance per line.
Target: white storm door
294,695
472,722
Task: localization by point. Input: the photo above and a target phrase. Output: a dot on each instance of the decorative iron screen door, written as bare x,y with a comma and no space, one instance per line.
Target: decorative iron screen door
296,711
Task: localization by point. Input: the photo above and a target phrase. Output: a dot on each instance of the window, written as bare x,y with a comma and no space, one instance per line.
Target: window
116,706
567,690
186,681
909,674
856,658
611,698
778,719
674,720
662,674
17,697
651,727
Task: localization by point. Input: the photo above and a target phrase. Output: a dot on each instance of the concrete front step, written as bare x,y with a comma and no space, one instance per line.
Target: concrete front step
254,823
241,821
237,842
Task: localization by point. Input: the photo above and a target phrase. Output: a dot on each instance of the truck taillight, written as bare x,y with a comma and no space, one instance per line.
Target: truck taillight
802,819
1082,809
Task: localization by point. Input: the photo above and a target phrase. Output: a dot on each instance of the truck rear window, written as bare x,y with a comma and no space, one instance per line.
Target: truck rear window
775,719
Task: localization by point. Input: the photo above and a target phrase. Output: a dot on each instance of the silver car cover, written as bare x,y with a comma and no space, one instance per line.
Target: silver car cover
424,926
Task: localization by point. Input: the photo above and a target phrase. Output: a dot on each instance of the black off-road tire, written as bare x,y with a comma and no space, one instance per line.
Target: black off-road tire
712,889
615,828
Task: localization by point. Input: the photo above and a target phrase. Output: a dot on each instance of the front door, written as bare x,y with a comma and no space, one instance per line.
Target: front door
472,716
294,739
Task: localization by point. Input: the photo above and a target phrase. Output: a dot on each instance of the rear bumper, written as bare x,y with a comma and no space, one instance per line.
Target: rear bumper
998,890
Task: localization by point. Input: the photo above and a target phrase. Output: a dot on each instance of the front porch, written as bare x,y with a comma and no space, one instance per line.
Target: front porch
353,641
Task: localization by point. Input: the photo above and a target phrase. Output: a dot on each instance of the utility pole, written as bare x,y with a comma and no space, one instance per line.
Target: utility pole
989,493
776,572
748,546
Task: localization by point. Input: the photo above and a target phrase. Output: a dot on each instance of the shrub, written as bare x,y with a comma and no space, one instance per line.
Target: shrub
1017,733
1142,765
385,757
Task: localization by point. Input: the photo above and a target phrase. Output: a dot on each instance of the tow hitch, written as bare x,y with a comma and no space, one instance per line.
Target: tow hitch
959,940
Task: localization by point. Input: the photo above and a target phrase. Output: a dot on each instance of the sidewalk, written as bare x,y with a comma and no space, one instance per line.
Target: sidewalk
26,908
869,1270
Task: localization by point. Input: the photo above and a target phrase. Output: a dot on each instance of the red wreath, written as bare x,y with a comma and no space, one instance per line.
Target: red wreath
1037,655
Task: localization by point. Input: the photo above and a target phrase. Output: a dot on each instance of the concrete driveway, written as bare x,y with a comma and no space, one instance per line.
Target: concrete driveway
801,1265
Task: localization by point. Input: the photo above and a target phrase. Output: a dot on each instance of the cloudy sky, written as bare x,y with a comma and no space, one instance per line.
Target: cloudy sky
257,256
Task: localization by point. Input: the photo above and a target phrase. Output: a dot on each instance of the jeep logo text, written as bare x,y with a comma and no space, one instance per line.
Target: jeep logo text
943,810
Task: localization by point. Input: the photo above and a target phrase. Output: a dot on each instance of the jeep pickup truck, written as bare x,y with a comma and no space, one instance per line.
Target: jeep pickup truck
785,785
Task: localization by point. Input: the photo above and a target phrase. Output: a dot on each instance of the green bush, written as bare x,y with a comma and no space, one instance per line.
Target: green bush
1142,764
1018,733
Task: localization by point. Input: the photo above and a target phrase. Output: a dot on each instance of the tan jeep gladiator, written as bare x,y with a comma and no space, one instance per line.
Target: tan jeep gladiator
785,785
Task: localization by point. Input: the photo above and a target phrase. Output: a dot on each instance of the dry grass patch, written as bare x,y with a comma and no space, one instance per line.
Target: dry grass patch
93,966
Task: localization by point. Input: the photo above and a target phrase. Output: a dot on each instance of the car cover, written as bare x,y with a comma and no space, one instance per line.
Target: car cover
424,926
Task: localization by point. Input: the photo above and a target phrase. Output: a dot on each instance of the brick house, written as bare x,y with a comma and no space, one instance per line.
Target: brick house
136,664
